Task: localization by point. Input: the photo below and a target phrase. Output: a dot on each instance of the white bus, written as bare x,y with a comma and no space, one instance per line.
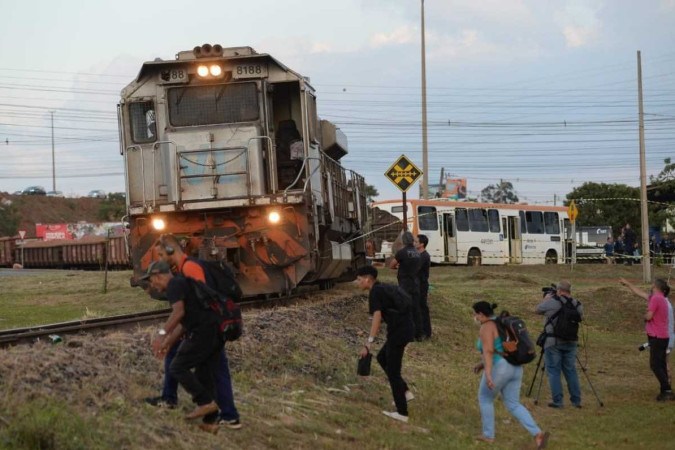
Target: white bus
479,233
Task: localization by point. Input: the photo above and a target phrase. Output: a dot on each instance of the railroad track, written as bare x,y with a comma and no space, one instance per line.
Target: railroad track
36,333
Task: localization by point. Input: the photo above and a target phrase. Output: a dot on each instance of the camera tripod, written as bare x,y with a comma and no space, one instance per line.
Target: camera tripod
543,372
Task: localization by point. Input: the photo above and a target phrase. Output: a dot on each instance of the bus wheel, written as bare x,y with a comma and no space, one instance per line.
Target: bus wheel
551,257
474,257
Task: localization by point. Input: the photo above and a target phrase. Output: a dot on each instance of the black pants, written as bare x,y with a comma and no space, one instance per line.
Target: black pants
657,360
390,358
414,291
200,351
424,310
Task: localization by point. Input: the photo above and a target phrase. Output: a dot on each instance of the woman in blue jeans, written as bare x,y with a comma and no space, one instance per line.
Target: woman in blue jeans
499,377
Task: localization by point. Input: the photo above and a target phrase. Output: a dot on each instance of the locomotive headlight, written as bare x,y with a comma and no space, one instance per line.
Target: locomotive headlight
203,71
274,217
158,223
215,70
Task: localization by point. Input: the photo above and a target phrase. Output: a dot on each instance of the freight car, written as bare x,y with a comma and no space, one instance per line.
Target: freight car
223,148
86,253
7,245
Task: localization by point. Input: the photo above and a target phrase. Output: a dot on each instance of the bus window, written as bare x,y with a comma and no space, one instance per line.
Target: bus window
535,222
551,223
143,122
461,219
523,226
398,209
478,219
493,220
426,218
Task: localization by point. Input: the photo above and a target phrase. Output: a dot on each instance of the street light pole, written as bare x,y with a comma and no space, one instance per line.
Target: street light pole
53,164
425,154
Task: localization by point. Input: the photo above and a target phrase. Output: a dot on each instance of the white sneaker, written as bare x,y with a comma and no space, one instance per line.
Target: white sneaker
396,416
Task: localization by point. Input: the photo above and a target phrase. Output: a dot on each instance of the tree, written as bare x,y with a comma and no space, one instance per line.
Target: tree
661,191
371,192
9,219
501,192
113,208
607,204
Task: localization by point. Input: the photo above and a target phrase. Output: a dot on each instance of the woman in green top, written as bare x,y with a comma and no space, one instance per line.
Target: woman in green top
499,377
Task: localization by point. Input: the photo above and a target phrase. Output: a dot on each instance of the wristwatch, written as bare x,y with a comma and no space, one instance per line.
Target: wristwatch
371,339
162,332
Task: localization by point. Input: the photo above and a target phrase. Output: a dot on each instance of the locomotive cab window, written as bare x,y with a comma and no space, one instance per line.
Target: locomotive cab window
143,122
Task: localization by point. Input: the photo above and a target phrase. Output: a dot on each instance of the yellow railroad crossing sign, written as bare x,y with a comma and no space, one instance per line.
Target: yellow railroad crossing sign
572,211
403,173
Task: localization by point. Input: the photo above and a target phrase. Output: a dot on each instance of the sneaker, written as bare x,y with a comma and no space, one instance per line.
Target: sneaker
665,396
541,440
160,402
577,405
555,405
233,424
396,416
487,440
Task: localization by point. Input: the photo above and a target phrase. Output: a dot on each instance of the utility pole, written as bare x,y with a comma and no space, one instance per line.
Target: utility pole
425,151
555,200
646,260
53,164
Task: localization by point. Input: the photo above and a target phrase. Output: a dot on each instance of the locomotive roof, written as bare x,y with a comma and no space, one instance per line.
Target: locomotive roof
237,53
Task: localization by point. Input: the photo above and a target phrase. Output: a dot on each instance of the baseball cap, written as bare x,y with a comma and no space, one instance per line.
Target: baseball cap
156,267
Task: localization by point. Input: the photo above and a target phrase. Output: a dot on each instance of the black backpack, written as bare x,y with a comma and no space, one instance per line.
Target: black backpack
518,347
566,327
221,278
230,323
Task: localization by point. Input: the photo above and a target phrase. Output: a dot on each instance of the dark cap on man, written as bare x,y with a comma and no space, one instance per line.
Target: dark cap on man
156,267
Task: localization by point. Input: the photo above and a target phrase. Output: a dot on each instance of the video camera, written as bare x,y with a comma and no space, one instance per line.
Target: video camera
549,290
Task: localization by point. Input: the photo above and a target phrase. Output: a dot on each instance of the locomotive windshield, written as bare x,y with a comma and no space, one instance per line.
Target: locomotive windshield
213,104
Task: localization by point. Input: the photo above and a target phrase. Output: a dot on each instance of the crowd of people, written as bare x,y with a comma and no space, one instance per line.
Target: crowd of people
194,355
625,248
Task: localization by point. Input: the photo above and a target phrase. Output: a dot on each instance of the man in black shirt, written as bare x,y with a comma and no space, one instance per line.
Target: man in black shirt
391,304
200,350
423,276
407,261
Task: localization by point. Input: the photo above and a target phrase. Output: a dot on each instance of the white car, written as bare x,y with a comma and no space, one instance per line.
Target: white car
97,194
54,194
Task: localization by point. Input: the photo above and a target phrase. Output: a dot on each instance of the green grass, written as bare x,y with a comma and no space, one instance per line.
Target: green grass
294,372
38,297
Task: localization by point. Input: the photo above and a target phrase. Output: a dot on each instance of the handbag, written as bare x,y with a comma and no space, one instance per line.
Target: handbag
363,366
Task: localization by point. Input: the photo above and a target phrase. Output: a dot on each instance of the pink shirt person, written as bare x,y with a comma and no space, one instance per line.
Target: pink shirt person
658,325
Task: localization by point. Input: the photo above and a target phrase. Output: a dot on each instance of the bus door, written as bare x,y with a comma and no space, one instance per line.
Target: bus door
450,238
515,240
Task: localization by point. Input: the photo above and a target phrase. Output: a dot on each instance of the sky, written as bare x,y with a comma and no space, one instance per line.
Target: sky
539,93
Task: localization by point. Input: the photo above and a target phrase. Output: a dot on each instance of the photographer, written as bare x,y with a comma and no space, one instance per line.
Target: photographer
658,334
559,341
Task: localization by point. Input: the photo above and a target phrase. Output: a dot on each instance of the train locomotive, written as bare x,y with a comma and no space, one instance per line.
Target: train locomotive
224,149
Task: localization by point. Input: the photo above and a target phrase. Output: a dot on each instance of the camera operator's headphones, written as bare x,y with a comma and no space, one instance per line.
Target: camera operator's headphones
168,248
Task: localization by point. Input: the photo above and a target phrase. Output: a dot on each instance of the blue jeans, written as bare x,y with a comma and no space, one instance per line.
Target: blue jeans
507,379
562,357
224,394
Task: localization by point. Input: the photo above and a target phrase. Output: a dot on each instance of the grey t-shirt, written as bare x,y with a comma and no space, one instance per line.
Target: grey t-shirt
549,306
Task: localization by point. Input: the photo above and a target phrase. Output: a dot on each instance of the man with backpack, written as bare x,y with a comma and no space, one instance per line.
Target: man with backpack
563,314
199,350
393,305
168,249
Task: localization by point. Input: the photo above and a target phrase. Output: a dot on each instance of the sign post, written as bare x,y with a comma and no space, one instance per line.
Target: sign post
573,212
403,173
22,234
